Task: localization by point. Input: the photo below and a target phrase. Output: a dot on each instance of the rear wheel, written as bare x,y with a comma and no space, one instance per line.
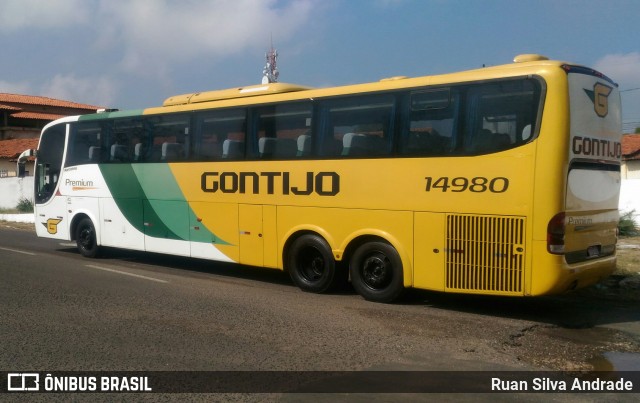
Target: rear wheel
86,238
311,264
376,272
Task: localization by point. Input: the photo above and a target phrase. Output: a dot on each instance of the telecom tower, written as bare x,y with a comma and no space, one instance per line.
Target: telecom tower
270,72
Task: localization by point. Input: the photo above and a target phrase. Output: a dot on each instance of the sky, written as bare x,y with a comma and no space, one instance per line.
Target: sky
131,54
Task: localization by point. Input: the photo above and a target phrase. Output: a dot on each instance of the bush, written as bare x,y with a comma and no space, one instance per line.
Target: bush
627,224
25,205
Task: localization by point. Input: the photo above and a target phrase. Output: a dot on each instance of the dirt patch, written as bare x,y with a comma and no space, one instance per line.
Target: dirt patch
17,225
563,349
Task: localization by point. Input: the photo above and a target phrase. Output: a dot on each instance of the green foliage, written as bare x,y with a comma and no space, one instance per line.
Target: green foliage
25,205
627,225
637,130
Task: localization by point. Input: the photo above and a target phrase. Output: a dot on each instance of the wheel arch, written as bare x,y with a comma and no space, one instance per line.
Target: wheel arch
79,216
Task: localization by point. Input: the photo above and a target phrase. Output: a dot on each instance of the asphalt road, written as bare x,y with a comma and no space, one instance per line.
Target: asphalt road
132,311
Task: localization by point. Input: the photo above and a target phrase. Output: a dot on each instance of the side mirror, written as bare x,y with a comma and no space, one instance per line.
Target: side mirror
22,159
25,155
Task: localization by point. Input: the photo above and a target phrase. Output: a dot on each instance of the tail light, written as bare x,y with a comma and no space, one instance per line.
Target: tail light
555,234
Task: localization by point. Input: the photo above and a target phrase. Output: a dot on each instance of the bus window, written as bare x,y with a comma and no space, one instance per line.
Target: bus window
130,142
220,131
221,135
87,143
170,136
501,115
281,128
359,126
432,123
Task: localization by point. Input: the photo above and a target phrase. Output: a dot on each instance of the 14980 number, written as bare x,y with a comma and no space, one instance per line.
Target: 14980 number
478,184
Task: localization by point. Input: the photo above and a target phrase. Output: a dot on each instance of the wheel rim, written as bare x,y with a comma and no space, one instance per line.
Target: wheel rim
85,238
312,264
377,271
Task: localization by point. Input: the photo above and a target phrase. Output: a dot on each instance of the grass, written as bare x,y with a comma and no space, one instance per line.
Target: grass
9,211
628,256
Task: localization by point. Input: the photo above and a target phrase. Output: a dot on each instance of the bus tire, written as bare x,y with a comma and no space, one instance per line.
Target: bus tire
376,272
311,265
86,238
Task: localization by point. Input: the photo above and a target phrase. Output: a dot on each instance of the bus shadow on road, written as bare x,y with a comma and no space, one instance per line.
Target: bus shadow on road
594,306
193,267
582,309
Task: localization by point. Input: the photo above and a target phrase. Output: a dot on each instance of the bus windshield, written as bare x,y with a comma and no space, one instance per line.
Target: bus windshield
49,162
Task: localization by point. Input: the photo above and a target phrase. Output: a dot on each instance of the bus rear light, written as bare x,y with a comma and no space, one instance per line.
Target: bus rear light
555,234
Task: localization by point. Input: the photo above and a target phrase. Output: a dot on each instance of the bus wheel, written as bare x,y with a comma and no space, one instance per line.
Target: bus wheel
86,238
376,272
311,264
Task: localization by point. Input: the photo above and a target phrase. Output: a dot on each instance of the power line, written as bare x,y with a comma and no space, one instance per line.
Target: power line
630,89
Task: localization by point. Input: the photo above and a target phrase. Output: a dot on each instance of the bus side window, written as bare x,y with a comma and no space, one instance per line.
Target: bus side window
500,115
87,143
358,126
210,146
303,144
279,129
119,150
128,142
432,123
220,135
171,138
232,149
487,141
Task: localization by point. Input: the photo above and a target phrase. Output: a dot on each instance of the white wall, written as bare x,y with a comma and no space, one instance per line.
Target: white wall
630,197
630,169
14,189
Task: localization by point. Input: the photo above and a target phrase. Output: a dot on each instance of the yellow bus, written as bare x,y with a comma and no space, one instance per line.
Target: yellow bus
502,180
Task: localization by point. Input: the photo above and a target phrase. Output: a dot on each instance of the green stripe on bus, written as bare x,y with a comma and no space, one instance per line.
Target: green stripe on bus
166,200
116,114
164,212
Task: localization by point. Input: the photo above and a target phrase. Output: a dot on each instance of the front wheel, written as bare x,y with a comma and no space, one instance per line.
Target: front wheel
86,238
376,272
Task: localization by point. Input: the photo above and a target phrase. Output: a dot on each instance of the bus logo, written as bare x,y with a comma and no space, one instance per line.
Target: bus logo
600,98
23,382
52,225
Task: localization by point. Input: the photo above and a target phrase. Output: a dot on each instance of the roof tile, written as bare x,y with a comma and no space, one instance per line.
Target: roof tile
4,107
46,101
37,115
10,149
631,147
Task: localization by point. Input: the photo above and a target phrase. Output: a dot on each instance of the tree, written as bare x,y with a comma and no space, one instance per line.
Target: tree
637,130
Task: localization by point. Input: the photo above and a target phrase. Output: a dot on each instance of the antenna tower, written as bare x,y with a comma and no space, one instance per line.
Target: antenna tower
270,72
